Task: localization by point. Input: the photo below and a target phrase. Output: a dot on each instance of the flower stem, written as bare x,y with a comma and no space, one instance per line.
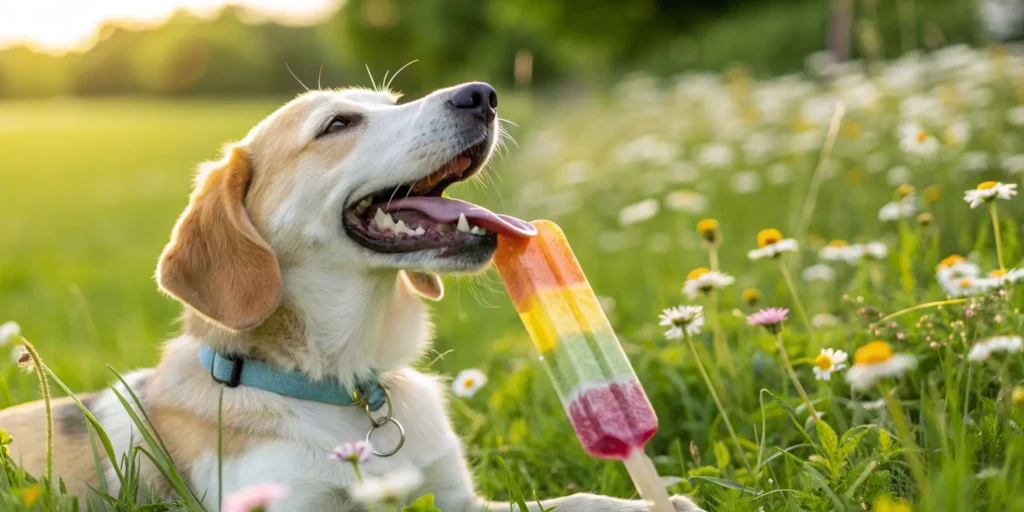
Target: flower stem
792,375
713,256
44,389
718,402
798,305
721,346
913,455
995,227
921,306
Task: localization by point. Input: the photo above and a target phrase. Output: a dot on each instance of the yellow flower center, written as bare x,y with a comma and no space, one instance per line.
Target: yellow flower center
468,383
751,295
697,272
951,260
873,353
932,194
838,243
966,282
987,185
921,136
707,226
824,362
768,237
904,191
997,273
1018,395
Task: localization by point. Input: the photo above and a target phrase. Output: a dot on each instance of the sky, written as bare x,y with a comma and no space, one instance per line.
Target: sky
60,25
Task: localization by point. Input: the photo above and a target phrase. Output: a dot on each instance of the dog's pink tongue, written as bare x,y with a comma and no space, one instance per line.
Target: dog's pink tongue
443,209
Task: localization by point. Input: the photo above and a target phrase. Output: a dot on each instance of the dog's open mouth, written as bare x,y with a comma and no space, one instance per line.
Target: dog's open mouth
415,216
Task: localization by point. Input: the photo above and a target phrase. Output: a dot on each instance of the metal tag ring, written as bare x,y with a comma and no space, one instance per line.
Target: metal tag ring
377,423
401,436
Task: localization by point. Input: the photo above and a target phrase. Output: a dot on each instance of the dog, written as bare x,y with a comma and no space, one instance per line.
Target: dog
306,250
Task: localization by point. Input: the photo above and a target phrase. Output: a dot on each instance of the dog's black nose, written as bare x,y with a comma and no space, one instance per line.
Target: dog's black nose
478,98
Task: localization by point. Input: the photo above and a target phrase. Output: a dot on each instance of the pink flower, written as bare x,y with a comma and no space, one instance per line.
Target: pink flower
356,452
254,498
770,318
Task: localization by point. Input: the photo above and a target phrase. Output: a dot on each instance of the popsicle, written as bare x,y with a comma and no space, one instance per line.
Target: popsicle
607,406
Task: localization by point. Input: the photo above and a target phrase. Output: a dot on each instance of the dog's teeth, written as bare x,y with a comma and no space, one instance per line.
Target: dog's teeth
384,220
476,230
419,231
401,229
463,224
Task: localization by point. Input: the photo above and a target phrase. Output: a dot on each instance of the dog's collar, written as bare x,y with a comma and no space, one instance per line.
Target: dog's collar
234,371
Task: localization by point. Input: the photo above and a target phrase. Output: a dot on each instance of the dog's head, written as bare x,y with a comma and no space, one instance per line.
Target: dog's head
346,179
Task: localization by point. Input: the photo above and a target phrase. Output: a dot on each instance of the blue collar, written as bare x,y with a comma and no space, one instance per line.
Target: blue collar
236,371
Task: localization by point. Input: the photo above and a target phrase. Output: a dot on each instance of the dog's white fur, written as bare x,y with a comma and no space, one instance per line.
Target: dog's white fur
337,310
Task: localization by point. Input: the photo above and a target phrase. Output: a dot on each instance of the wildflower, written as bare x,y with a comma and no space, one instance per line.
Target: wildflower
708,229
356,452
915,140
876,361
745,182
840,250
468,382
255,498
957,133
1018,395
829,361
751,296
703,281
638,212
989,191
30,495
715,156
686,201
896,210
904,190
680,319
1008,277
824,320
9,332
886,505
874,250
954,268
23,359
771,319
820,272
393,487
925,219
932,194
982,350
897,175
771,244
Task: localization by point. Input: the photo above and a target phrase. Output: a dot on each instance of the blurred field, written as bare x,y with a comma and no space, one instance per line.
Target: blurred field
91,189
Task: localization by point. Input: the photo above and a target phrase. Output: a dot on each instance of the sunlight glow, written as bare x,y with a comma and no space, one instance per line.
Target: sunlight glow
62,25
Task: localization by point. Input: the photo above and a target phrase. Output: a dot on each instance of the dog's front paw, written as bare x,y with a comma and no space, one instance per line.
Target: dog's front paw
683,504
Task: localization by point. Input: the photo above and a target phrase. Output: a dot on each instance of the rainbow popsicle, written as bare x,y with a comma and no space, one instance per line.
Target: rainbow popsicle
606,404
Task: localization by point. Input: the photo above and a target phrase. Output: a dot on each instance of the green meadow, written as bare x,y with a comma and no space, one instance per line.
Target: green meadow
864,167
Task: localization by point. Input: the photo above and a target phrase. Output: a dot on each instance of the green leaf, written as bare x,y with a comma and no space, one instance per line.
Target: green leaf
829,441
849,443
424,504
885,443
722,456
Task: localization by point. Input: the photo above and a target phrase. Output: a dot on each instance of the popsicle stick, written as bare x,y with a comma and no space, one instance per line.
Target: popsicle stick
648,483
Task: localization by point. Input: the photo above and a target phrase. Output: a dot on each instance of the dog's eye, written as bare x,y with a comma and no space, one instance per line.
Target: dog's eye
337,124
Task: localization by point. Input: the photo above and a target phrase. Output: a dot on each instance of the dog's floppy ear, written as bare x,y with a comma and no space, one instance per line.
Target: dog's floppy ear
216,262
426,284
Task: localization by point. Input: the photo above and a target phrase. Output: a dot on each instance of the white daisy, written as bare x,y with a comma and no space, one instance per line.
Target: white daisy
745,182
840,250
897,210
829,361
957,133
989,191
1008,277
915,140
876,361
822,320
680,319
392,487
954,267
686,201
771,244
468,382
638,212
702,281
982,350
715,156
874,250
9,332
819,272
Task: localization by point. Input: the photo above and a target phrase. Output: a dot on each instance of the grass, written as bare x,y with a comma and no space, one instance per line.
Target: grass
93,187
